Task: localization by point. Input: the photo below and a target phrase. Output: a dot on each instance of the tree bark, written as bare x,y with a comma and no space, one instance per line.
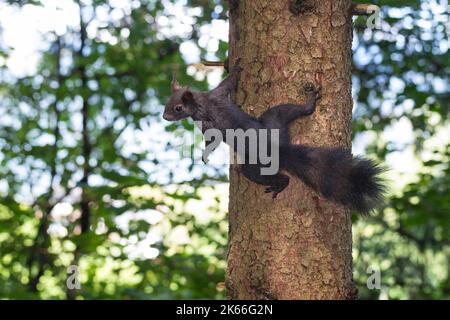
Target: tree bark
298,246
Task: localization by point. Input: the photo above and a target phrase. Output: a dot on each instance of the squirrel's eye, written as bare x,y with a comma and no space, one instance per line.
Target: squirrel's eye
178,108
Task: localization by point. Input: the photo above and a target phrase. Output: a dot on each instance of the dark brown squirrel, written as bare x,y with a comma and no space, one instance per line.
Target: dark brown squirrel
333,172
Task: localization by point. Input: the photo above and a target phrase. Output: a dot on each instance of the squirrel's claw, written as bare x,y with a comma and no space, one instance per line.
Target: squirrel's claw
317,91
237,68
309,87
275,191
318,96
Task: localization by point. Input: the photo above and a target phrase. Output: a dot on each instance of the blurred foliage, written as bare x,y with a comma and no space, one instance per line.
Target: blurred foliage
73,133
401,77
89,177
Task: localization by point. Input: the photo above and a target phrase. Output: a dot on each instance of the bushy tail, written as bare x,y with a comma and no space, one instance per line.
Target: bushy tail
337,175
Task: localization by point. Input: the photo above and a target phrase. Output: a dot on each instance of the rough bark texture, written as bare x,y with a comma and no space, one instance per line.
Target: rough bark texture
297,246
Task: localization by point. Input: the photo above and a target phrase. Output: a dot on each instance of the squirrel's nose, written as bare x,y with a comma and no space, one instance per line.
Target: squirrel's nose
167,117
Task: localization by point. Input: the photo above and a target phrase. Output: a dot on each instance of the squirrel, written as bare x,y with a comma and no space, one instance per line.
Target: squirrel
333,172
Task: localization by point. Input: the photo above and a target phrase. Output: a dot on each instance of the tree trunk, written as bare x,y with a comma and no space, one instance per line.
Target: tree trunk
298,246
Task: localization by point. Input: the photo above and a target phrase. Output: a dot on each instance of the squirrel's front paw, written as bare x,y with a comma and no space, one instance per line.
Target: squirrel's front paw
275,191
309,87
237,66
313,90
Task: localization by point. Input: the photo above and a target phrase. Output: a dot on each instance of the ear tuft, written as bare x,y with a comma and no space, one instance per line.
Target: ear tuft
175,85
187,97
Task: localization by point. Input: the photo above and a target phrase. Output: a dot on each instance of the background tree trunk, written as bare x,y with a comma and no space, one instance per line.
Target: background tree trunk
298,246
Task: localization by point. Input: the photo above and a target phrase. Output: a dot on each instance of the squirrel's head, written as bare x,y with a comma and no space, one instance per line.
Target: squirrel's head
181,103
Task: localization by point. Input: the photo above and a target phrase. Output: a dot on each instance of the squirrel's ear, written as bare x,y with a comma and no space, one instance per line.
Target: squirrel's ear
187,97
175,85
